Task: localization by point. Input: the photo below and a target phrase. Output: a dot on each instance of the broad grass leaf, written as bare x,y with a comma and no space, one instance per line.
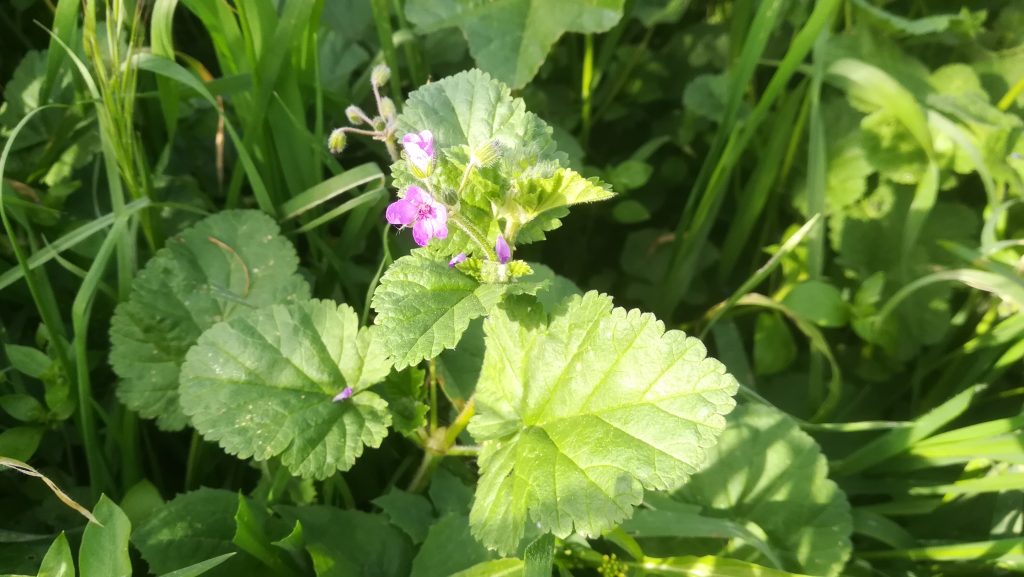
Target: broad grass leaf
261,385
192,528
765,471
511,39
423,306
223,266
582,410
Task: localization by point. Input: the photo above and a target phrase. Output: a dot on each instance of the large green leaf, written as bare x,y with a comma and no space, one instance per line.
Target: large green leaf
262,384
579,411
220,267
423,307
192,528
767,473
511,38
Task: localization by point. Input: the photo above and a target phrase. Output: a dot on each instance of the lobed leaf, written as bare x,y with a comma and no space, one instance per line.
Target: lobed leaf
261,385
222,266
511,38
423,307
767,473
579,411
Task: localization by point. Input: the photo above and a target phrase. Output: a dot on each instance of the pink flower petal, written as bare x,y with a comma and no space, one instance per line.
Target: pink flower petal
416,195
421,232
401,212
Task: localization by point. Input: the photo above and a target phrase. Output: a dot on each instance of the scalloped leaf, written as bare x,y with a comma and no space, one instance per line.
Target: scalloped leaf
221,266
765,471
262,384
543,200
511,39
471,108
423,307
579,411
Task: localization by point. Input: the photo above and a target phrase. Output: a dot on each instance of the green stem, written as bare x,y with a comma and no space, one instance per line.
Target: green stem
441,444
472,233
587,84
195,448
432,385
382,20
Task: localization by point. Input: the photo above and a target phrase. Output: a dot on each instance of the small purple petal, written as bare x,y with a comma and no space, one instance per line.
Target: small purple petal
343,395
461,257
402,212
502,249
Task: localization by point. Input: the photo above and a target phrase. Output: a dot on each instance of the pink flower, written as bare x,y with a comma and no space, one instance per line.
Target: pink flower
420,150
427,217
343,395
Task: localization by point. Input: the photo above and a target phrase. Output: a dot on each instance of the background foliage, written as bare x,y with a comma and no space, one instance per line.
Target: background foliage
827,194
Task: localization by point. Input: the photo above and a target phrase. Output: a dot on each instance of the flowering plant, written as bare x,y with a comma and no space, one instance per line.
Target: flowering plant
530,369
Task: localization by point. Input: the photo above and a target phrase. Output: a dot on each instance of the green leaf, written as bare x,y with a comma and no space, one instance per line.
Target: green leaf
28,360
22,407
448,548
192,528
472,109
201,568
539,557
20,442
423,307
580,411
774,348
104,549
222,266
510,39
262,384
496,568
403,390
344,543
818,302
58,561
251,536
542,200
767,474
409,512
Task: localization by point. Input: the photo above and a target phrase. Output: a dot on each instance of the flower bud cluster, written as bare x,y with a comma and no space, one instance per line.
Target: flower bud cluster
380,127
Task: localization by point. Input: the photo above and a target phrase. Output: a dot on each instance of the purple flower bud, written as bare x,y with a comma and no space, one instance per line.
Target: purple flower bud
461,257
427,217
502,249
419,147
343,395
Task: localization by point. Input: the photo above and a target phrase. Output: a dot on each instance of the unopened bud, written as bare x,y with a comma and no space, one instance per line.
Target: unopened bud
355,114
387,108
336,141
380,75
487,153
379,124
